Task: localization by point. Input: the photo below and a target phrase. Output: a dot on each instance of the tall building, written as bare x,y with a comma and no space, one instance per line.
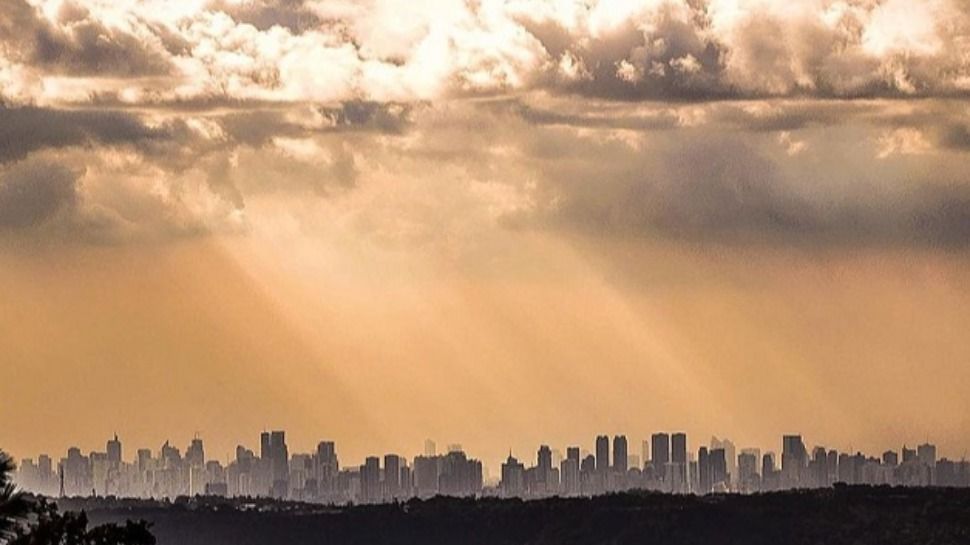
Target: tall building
620,454
572,453
425,475
543,476
660,454
113,449
459,475
326,469
890,458
392,476
704,480
794,459
926,454
602,454
569,470
276,461
817,473
729,453
195,459
769,472
264,445
430,448
544,459
513,477
678,462
678,448
719,472
370,479
749,480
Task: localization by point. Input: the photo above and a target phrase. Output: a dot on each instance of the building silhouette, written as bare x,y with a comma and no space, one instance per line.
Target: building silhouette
318,477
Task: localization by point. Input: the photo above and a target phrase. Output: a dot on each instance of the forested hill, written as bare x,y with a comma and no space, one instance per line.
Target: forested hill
844,515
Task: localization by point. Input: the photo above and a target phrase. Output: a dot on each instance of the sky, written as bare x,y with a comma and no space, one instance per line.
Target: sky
493,223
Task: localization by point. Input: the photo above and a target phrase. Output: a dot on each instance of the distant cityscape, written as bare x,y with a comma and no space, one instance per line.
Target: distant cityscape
664,464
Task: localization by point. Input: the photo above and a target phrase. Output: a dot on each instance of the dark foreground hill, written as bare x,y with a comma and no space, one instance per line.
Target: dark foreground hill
845,515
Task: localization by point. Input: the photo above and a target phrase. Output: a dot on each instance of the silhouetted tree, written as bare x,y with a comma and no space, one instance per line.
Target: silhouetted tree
37,522
50,527
14,506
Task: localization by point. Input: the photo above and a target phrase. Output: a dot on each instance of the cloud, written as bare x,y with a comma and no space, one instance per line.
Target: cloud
34,192
678,50
714,119
719,184
77,43
26,129
293,15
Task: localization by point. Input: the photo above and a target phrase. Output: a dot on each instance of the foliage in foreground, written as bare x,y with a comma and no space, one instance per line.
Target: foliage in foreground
25,520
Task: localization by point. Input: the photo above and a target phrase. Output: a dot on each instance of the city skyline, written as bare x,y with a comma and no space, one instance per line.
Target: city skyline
668,462
492,454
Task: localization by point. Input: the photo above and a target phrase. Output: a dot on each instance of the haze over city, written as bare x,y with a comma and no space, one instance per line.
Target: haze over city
494,223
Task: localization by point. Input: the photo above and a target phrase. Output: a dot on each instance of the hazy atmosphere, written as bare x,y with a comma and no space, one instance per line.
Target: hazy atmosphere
492,223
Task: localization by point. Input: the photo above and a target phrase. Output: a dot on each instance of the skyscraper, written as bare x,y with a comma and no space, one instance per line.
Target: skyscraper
572,453
620,454
195,454
660,454
195,459
602,454
748,478
426,475
370,479
704,469
909,454
327,468
890,458
794,459
926,454
769,472
392,476
113,449
544,459
678,448
730,454
569,468
279,460
719,473
678,462
264,445
513,477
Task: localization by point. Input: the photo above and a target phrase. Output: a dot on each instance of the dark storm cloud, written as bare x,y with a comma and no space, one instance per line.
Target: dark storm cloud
369,115
765,116
675,61
726,186
78,44
265,14
791,116
659,119
259,127
33,192
703,187
955,136
26,129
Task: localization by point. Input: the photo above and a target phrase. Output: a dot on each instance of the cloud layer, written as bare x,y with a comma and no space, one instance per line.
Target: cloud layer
295,50
814,120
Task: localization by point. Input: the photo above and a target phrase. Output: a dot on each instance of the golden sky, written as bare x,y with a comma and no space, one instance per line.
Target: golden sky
498,224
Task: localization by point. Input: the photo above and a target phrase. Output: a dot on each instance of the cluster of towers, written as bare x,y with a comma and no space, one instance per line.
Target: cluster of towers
668,466
665,464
